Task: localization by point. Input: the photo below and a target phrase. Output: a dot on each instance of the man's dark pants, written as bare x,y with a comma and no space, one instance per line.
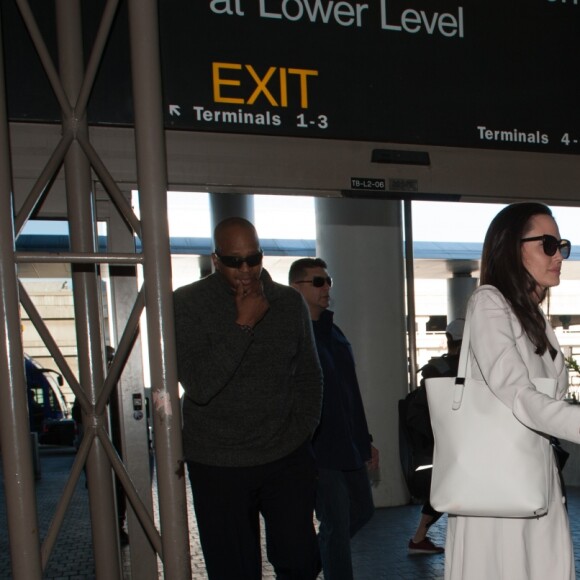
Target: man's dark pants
344,504
228,501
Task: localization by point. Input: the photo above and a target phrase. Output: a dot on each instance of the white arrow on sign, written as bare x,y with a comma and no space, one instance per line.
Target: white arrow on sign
174,110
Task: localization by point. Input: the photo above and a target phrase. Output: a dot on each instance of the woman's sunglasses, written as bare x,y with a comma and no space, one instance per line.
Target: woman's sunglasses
551,245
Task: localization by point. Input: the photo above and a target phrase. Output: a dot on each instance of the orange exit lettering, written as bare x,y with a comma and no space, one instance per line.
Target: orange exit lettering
241,84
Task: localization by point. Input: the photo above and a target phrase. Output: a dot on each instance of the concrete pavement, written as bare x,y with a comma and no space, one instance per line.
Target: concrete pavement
379,550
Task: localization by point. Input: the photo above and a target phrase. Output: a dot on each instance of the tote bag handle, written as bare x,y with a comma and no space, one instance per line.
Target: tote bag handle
462,367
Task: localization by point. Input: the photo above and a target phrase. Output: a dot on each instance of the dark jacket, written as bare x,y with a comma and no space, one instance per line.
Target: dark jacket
440,366
249,398
342,440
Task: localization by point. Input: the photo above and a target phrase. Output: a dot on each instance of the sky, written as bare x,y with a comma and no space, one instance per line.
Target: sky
468,222
293,217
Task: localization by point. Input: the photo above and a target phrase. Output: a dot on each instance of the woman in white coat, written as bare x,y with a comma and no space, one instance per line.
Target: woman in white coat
511,343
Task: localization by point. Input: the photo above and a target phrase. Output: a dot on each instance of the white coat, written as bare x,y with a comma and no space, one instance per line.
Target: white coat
515,548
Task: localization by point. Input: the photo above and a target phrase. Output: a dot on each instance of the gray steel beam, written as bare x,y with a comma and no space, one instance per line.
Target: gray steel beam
96,56
152,184
65,499
55,80
52,347
126,306
111,186
82,223
14,427
78,258
40,189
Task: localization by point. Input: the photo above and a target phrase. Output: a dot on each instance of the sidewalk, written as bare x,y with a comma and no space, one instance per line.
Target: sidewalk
379,550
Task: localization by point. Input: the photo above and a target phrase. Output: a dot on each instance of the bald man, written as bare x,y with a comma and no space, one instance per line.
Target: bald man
253,389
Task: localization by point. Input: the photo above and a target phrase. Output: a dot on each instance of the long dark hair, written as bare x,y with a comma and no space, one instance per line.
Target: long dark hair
502,267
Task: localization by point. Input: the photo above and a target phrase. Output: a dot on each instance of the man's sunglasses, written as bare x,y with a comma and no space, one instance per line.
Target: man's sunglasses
236,261
551,245
317,281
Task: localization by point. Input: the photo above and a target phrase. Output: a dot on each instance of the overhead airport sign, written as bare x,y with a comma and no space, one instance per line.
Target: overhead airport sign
485,73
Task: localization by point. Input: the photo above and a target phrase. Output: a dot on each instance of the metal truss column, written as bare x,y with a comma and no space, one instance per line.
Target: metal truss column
14,427
152,184
82,224
133,425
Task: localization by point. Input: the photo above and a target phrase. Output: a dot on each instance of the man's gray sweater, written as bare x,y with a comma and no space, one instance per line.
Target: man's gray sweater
249,398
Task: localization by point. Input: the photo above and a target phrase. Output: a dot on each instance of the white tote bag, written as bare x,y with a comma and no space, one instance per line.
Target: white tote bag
485,462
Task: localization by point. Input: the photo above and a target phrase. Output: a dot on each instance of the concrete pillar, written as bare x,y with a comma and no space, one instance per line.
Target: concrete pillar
205,266
459,289
222,206
362,243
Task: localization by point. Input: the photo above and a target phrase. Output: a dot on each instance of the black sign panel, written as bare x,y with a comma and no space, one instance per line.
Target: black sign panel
29,93
486,73
499,74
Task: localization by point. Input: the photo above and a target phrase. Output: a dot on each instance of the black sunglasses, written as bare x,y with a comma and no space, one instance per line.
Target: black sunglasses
317,281
551,245
236,261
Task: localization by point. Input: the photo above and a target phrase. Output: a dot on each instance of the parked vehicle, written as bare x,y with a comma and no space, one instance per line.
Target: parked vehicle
48,410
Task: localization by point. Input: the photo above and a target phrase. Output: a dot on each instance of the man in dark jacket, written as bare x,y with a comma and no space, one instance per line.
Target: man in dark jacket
342,444
253,388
